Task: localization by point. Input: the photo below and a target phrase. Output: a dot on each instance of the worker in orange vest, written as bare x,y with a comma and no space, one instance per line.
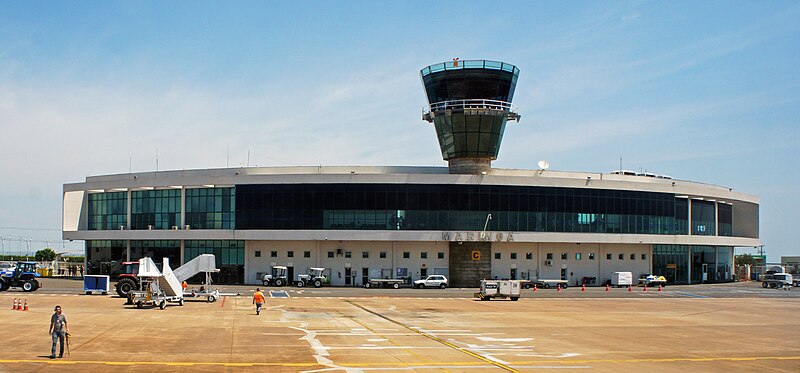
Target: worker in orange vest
184,285
258,300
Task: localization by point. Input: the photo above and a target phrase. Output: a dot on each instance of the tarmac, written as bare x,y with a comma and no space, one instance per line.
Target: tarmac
729,327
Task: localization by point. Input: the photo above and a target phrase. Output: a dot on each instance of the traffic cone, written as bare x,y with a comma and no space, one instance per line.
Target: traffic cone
607,288
645,287
558,288
659,288
14,308
583,287
534,288
630,289
26,305
19,305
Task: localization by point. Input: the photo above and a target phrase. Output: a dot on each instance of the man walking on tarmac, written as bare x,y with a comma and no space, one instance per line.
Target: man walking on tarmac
58,330
258,300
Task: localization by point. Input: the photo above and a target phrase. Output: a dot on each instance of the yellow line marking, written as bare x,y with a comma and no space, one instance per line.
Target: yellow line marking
431,337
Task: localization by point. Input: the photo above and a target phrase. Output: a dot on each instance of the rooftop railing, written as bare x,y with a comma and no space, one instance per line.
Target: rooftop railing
471,106
469,64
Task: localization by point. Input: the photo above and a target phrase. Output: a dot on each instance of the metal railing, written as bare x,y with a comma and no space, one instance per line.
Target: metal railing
469,64
470,106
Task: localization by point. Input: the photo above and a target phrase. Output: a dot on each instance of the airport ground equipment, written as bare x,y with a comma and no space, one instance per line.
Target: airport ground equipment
278,279
23,276
158,287
313,277
620,279
205,263
96,284
779,281
393,283
127,279
501,289
433,281
547,284
652,280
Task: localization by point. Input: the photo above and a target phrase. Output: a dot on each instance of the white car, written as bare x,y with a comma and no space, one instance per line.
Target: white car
435,281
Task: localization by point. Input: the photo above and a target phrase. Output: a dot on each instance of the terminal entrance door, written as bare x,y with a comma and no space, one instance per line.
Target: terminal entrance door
513,274
347,276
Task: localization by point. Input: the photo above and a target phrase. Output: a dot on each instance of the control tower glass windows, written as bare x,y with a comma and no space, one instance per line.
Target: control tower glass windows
108,211
211,208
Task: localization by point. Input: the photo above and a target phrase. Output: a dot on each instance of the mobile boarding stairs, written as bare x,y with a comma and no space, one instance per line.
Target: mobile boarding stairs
160,287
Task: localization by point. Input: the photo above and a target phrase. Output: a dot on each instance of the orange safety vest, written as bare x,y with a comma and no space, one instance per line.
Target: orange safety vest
258,297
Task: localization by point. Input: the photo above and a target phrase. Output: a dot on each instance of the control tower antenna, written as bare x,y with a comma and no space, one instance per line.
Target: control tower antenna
469,105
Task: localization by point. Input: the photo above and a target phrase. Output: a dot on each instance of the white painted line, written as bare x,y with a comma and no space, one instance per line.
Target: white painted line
490,339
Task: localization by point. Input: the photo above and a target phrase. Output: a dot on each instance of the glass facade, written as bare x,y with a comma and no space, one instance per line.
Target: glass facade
704,219
157,250
725,219
468,135
104,257
453,207
211,208
108,211
702,263
229,256
681,216
155,209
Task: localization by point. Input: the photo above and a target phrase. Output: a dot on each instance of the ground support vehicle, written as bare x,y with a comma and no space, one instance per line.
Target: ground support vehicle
159,287
526,284
779,281
620,279
501,289
23,276
313,277
652,280
96,284
278,279
433,281
127,280
547,284
393,283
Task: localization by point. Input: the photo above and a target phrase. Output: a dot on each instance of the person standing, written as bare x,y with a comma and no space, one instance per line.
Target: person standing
258,300
58,331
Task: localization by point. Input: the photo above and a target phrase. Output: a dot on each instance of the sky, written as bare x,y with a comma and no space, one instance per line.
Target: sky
702,91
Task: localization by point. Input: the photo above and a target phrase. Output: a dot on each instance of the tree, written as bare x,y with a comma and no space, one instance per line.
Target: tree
745,259
45,255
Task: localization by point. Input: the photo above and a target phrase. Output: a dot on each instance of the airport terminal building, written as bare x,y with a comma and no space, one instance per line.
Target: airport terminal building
468,220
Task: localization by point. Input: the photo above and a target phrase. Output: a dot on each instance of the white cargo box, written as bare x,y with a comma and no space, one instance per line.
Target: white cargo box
622,279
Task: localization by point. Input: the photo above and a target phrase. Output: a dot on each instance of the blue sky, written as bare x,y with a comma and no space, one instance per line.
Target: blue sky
702,91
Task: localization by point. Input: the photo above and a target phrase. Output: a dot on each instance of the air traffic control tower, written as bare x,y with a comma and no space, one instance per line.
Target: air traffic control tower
469,104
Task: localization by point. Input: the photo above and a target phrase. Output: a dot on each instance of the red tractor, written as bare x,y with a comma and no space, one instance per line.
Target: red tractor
126,279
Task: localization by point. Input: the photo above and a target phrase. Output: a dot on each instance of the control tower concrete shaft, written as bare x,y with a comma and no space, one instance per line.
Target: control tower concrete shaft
469,104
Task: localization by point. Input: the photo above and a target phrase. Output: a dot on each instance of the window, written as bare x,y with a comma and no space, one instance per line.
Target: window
290,254
273,254
497,255
608,256
258,253
365,254
440,255
330,254
529,256
348,254
591,256
577,256
644,256
633,256
306,254
549,256
513,255
564,256
423,255
383,255
406,254
621,256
